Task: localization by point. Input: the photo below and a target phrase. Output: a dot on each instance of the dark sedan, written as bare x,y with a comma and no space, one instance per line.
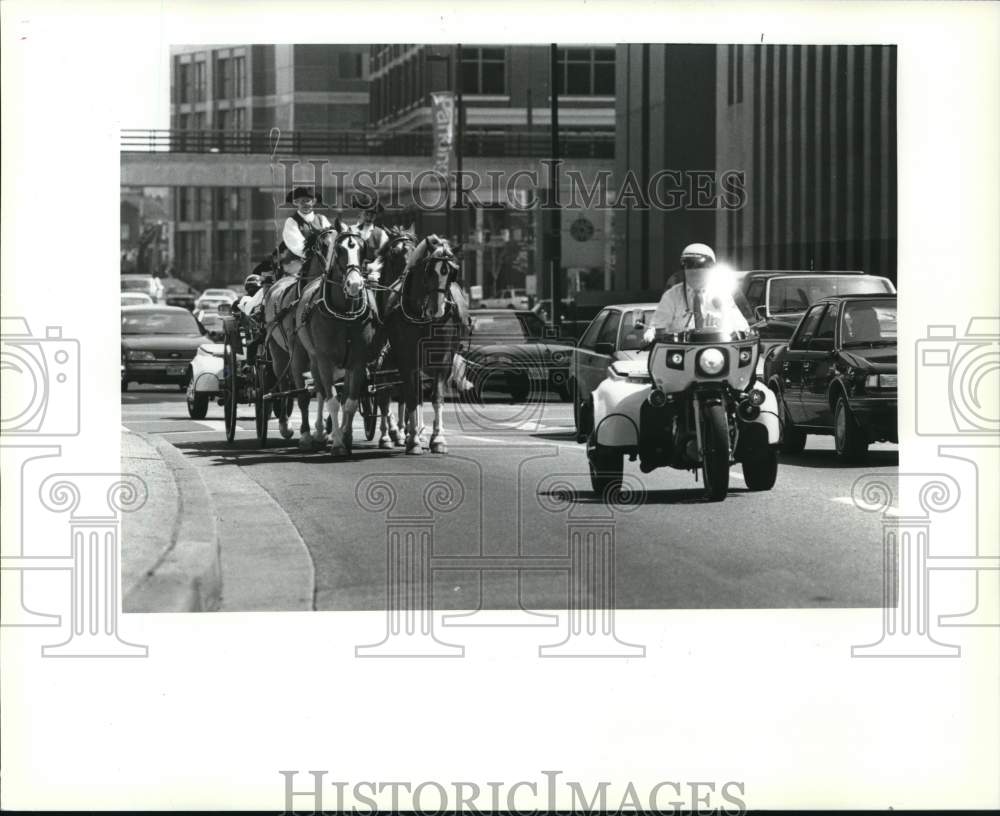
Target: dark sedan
775,301
837,375
158,342
510,352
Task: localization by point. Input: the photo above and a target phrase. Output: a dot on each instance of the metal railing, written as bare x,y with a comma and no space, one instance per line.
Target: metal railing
578,143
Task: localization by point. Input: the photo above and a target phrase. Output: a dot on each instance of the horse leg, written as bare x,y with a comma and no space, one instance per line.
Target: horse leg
413,428
438,442
382,402
400,426
352,388
279,364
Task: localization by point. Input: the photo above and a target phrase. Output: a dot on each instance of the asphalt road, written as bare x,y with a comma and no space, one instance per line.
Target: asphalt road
519,487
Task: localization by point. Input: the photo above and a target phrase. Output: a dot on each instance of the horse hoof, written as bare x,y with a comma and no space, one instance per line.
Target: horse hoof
413,447
339,452
384,443
397,440
439,446
286,433
306,442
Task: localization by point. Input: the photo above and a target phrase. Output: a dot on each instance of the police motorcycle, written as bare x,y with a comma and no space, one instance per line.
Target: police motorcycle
693,404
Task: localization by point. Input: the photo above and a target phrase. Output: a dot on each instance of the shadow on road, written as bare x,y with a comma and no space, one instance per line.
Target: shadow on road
693,496
247,452
828,459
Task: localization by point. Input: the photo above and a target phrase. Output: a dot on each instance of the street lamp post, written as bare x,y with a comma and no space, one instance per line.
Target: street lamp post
555,235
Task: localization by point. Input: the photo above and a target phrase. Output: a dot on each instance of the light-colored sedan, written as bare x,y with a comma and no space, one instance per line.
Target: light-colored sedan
136,299
615,334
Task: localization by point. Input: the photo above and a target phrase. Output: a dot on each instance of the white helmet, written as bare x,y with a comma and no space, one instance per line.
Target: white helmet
697,255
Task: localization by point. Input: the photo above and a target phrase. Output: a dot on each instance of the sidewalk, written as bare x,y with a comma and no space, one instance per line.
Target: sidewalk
207,539
170,551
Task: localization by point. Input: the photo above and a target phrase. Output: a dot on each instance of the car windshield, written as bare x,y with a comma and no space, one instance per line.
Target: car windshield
223,294
633,327
869,323
137,284
159,323
512,328
794,295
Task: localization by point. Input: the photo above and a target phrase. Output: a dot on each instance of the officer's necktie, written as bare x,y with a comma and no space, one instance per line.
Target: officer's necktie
699,310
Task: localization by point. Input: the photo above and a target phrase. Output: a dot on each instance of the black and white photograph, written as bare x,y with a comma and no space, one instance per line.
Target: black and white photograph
649,284
486,377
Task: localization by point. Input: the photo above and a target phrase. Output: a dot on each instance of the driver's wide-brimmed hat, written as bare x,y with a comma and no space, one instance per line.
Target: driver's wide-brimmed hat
303,192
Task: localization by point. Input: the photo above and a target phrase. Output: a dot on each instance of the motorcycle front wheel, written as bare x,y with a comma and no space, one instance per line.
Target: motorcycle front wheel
715,451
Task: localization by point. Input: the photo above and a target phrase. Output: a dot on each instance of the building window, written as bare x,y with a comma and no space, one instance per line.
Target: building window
230,77
199,81
349,66
185,79
484,71
586,71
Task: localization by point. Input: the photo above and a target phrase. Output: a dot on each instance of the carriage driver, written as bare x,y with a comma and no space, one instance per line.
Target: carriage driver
301,228
695,303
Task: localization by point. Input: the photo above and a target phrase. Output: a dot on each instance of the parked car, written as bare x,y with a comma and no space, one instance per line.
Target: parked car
136,299
205,378
158,342
147,284
777,300
837,375
178,293
510,352
615,334
211,298
508,299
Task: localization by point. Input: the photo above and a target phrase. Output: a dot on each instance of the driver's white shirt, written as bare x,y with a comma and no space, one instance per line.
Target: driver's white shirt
292,235
674,313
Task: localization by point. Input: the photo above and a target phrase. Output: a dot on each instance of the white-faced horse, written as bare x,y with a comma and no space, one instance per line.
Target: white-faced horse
335,325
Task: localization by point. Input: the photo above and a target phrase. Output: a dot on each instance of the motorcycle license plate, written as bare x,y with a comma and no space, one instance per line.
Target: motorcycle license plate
176,371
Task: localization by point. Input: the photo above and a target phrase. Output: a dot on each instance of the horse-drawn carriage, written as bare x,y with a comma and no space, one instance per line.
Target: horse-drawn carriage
246,383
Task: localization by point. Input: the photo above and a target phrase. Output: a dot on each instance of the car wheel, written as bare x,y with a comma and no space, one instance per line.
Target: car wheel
850,440
197,404
793,440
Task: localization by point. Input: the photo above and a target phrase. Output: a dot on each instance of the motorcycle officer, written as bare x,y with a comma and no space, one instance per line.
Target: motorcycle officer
694,303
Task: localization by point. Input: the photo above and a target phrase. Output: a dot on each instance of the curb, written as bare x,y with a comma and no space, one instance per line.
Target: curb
188,577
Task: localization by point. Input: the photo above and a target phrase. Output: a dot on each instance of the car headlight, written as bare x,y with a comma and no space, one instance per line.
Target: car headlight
141,355
711,361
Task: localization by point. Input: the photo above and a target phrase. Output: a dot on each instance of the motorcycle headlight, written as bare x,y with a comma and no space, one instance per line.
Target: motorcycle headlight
141,355
711,361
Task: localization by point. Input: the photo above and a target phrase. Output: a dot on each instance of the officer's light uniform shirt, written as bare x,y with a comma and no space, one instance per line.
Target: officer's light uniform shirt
675,314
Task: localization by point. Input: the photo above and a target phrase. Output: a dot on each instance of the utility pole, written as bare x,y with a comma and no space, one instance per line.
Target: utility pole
555,215
459,131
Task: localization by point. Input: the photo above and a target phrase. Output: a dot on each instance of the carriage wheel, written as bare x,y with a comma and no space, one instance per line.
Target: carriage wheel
230,390
262,407
369,412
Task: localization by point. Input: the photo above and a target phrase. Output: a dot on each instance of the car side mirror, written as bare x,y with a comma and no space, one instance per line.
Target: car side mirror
760,312
604,348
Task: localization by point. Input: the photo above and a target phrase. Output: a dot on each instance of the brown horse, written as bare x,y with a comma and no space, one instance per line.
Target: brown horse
288,356
393,256
427,318
334,324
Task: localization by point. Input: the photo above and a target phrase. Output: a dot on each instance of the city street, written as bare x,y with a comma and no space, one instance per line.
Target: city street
803,544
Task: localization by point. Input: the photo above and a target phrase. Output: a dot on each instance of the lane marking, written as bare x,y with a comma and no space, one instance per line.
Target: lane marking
889,511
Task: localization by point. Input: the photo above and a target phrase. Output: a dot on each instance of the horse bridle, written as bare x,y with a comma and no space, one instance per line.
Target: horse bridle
449,301
355,313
